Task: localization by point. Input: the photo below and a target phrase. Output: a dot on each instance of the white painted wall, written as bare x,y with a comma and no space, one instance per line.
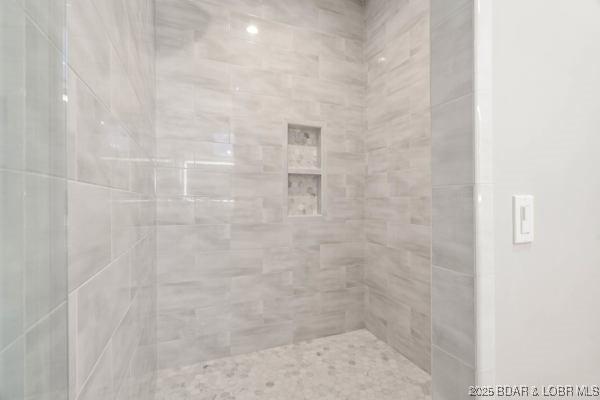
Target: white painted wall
546,142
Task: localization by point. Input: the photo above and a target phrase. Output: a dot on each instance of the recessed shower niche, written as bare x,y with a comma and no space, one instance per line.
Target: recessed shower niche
304,165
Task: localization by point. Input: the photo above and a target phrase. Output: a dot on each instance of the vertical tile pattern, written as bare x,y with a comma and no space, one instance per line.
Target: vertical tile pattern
235,273
112,217
398,188
454,344
33,251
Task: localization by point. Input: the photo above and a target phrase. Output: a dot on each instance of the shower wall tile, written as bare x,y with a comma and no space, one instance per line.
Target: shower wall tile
44,106
105,298
89,231
12,256
454,199
12,360
397,206
452,153
49,18
252,236
235,273
194,238
100,385
454,228
451,376
453,301
192,351
46,361
127,224
90,48
45,244
452,55
112,201
33,248
301,14
315,326
12,115
102,145
124,346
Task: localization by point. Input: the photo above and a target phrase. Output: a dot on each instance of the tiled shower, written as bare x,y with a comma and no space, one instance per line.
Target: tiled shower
194,188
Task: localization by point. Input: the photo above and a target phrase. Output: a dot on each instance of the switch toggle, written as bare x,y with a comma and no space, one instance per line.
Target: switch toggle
523,219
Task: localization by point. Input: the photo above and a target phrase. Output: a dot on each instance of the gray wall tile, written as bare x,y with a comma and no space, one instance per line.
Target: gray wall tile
46,360
45,137
112,207
453,157
454,228
12,256
398,189
105,298
452,56
33,248
451,378
45,239
453,305
230,263
453,163
89,231
12,380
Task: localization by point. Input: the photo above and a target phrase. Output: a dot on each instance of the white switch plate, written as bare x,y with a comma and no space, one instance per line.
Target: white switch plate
523,219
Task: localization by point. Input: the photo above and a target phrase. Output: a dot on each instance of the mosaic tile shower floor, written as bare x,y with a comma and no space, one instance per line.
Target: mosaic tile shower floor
352,366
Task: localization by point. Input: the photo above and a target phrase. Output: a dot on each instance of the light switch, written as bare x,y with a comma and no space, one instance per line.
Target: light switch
523,219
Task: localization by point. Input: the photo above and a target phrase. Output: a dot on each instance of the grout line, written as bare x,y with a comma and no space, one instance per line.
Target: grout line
111,112
454,358
453,271
105,349
112,261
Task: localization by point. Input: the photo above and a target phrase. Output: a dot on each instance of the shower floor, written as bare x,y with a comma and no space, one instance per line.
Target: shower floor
354,365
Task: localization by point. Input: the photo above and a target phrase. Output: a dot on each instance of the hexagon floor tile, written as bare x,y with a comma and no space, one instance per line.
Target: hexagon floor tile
352,366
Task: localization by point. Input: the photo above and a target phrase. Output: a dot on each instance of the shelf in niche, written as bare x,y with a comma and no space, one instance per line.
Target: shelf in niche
298,171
